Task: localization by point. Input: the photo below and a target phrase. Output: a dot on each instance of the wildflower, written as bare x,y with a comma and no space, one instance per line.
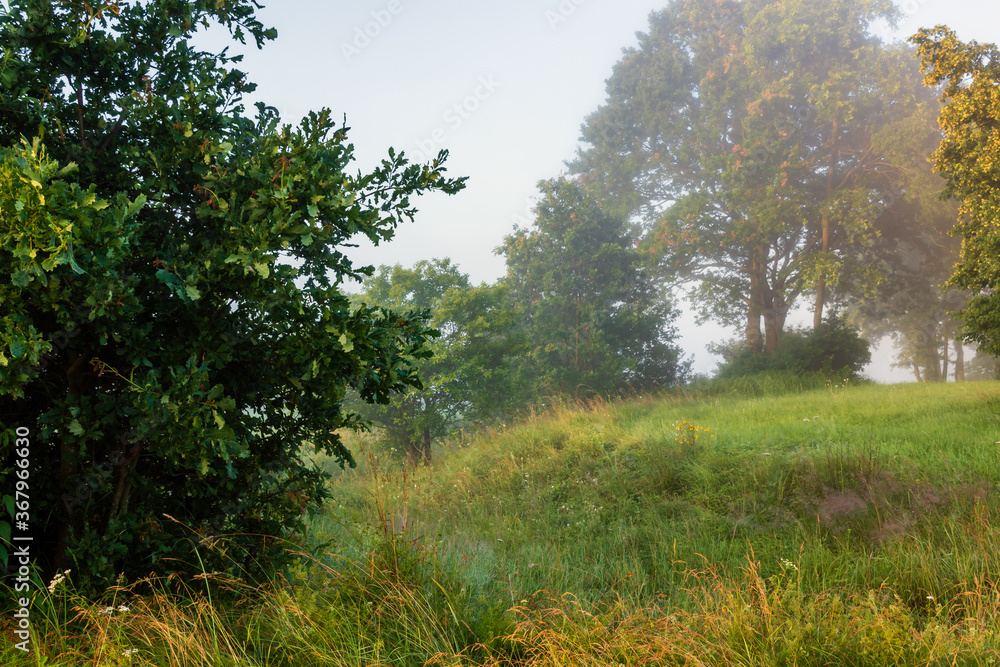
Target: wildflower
56,580
108,611
787,564
805,420
130,652
766,454
123,609
930,597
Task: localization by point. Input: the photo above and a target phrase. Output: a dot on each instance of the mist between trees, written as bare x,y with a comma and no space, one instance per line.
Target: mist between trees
754,154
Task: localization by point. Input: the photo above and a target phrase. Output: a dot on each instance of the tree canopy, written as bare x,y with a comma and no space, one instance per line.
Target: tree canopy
594,320
468,380
757,144
172,328
967,76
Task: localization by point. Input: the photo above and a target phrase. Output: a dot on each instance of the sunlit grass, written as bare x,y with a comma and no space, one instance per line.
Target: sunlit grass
853,525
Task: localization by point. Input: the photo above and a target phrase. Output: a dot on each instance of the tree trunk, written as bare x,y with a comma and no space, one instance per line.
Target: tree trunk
944,359
69,455
830,186
959,361
821,283
774,322
754,337
426,449
412,448
820,300
932,363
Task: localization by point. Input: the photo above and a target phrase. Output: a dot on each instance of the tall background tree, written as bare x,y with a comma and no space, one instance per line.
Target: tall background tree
911,304
756,143
595,322
469,380
171,326
967,76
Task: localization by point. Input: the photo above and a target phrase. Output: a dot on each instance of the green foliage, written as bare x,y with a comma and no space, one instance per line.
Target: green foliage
834,348
596,324
757,144
909,304
468,380
967,75
171,326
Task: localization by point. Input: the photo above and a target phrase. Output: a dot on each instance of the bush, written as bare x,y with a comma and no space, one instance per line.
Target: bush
835,347
172,321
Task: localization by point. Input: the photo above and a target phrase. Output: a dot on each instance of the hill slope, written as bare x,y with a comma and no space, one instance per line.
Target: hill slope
843,492
840,526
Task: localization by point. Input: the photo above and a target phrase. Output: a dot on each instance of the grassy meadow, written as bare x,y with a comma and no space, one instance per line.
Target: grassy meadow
741,524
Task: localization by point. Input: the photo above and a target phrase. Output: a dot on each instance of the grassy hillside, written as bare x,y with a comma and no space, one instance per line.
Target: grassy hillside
845,525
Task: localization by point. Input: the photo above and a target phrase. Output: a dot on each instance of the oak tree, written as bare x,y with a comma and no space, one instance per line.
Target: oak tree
172,326
756,144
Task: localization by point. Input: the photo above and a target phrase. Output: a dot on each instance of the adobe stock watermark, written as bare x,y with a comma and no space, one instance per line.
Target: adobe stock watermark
455,117
911,7
365,34
526,217
21,538
562,13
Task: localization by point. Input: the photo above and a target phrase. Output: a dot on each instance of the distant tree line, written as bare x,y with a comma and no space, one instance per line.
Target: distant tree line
578,314
752,156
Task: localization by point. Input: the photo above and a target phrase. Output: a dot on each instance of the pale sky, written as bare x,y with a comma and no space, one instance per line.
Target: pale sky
504,86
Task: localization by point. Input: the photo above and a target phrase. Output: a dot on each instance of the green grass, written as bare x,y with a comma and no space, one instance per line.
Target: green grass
602,501
844,524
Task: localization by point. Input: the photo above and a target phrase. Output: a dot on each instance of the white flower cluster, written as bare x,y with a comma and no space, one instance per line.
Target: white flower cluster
110,610
789,565
56,580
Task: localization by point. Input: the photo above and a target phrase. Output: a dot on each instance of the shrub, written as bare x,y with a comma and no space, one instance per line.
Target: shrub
835,347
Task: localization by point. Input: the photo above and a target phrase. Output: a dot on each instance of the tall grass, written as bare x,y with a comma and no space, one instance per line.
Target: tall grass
845,525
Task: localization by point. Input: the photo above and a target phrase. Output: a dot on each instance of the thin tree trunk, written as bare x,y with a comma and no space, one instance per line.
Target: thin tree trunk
412,449
426,449
754,336
821,283
830,184
774,322
944,360
959,361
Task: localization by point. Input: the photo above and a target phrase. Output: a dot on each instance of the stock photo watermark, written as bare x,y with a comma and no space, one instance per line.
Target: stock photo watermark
20,556
562,13
365,34
455,117
911,7
527,216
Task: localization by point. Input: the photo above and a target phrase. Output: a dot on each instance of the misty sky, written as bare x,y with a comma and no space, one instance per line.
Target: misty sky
504,86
